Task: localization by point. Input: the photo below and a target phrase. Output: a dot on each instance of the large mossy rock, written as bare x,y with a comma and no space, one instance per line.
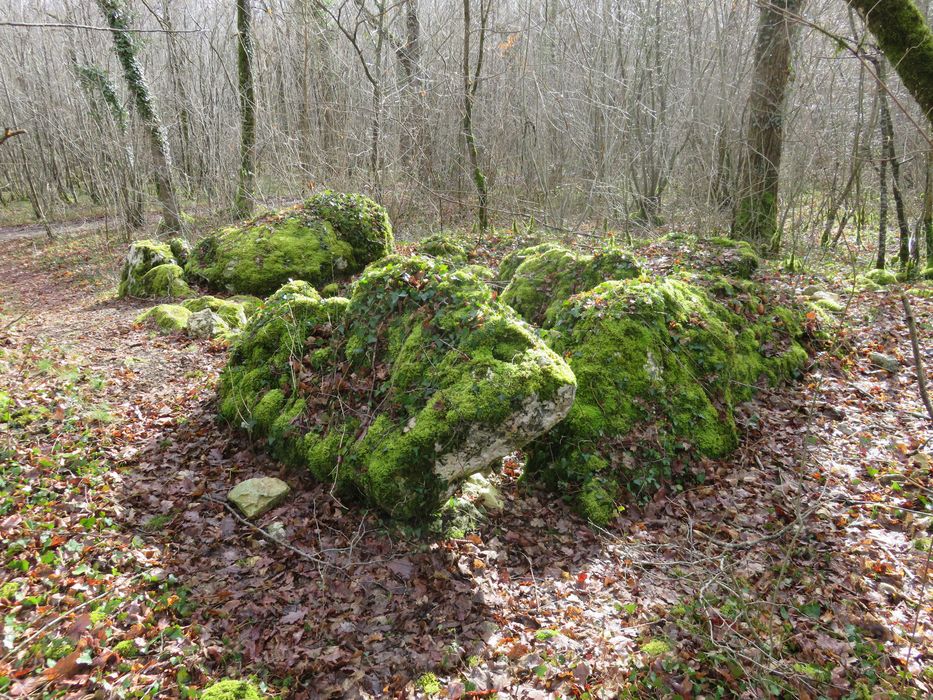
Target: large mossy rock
151,271
166,318
718,254
416,382
660,366
328,237
549,275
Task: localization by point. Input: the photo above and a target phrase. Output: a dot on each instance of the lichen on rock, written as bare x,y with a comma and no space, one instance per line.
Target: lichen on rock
328,237
548,277
660,366
150,270
206,324
419,380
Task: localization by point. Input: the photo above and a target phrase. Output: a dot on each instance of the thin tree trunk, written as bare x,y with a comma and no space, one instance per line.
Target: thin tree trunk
890,156
115,12
926,220
470,85
243,203
756,214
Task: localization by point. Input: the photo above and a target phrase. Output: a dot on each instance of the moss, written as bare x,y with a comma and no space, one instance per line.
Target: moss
545,280
444,246
128,649
8,590
230,689
327,238
656,647
480,272
358,220
737,257
428,684
418,380
181,249
53,648
660,366
151,271
330,290
230,311
927,274
249,303
881,277
161,282
511,262
168,318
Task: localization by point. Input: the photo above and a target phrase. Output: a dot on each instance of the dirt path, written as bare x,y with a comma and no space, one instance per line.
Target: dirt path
799,560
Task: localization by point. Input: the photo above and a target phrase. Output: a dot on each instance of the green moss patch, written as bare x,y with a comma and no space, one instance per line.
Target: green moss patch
329,237
547,278
660,366
881,277
167,318
446,247
420,379
230,689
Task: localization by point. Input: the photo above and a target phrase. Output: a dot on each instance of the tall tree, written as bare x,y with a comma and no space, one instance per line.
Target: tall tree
244,194
756,211
115,12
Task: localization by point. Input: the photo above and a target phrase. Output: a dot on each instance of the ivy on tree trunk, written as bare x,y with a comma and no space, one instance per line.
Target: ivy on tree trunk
116,15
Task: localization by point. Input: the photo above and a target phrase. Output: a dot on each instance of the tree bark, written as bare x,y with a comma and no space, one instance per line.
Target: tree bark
755,217
905,38
243,204
125,48
890,156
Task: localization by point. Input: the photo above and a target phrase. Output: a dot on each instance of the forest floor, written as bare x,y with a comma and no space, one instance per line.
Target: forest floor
798,569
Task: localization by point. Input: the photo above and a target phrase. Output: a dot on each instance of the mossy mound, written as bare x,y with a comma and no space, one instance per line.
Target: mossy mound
660,366
881,277
232,312
511,262
230,689
718,254
167,318
151,271
249,303
328,237
546,279
417,381
181,249
927,274
444,247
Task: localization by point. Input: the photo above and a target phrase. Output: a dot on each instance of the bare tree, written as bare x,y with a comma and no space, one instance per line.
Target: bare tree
756,213
115,13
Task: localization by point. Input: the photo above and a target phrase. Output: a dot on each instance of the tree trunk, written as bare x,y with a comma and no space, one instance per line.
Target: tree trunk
890,156
756,212
125,48
926,220
470,85
905,38
243,204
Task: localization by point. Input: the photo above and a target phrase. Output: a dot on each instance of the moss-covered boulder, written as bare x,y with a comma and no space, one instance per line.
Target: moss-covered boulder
181,249
230,311
330,236
660,366
150,270
167,318
717,254
206,324
881,277
546,279
445,247
927,274
416,382
249,303
511,262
